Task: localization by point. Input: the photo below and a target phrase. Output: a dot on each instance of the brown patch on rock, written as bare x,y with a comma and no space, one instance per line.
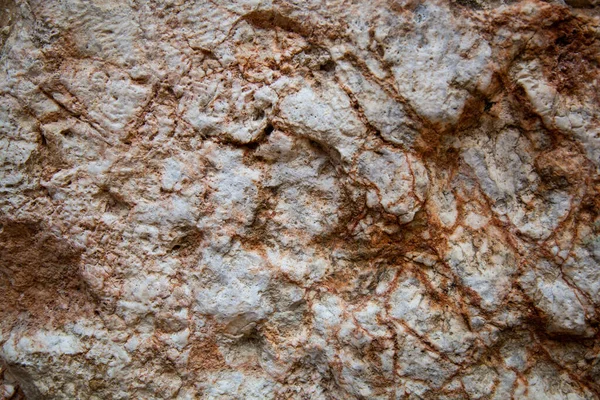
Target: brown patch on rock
205,355
270,19
572,55
39,273
560,166
286,20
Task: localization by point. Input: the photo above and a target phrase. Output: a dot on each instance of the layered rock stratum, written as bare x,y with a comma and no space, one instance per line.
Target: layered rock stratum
299,199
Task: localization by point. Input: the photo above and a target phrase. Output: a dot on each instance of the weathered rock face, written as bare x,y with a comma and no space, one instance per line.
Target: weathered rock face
299,199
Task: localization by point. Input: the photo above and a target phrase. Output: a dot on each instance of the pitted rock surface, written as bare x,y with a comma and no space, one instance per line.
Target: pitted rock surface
299,199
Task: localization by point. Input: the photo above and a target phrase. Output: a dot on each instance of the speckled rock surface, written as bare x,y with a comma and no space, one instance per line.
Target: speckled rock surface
291,199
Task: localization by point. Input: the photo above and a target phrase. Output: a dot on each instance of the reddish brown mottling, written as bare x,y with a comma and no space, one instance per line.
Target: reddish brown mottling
299,200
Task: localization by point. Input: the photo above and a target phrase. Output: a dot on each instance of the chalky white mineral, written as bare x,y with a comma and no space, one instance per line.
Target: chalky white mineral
285,199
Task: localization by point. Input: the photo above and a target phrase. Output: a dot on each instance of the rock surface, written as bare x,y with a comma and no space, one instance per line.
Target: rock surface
291,199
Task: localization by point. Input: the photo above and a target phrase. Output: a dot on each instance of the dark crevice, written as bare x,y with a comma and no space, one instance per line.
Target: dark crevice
268,129
252,145
328,66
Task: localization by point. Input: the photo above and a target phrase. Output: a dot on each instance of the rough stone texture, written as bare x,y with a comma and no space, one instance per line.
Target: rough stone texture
297,199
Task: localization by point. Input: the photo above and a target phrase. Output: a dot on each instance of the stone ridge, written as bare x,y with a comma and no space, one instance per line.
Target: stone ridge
285,199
